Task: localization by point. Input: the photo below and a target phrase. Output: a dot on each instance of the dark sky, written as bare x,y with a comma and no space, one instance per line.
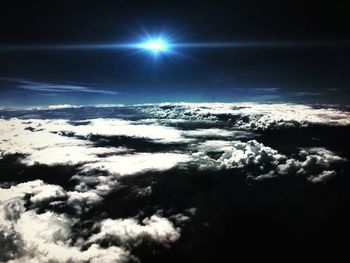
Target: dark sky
296,73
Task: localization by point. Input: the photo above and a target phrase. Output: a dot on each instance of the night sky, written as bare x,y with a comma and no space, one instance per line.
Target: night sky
316,73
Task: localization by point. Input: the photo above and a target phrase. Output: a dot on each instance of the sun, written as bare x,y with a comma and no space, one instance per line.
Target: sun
155,46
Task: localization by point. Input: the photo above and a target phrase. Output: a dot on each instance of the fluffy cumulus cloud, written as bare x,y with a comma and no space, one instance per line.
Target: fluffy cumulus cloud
37,189
48,193
314,163
48,239
29,236
82,201
155,228
42,222
237,154
262,161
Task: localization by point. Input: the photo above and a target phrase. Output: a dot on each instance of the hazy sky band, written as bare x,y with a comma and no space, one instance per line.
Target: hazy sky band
267,44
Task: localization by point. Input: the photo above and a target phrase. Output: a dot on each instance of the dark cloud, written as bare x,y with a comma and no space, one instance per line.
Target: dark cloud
11,244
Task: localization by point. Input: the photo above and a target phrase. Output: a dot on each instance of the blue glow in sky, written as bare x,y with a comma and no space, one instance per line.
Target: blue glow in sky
162,66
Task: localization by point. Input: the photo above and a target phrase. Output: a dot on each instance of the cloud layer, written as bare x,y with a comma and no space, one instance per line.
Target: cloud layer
65,222
251,116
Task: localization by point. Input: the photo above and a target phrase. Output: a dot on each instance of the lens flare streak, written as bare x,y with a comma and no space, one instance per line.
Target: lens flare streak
160,45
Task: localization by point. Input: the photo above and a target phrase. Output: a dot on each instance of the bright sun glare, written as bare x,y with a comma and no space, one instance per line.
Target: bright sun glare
155,46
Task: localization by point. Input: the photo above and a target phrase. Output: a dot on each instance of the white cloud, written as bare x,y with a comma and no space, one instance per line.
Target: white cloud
156,228
324,156
115,127
12,199
251,116
47,227
48,193
322,177
265,162
138,163
94,254
70,154
82,201
16,138
47,237
19,190
313,163
46,144
237,154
